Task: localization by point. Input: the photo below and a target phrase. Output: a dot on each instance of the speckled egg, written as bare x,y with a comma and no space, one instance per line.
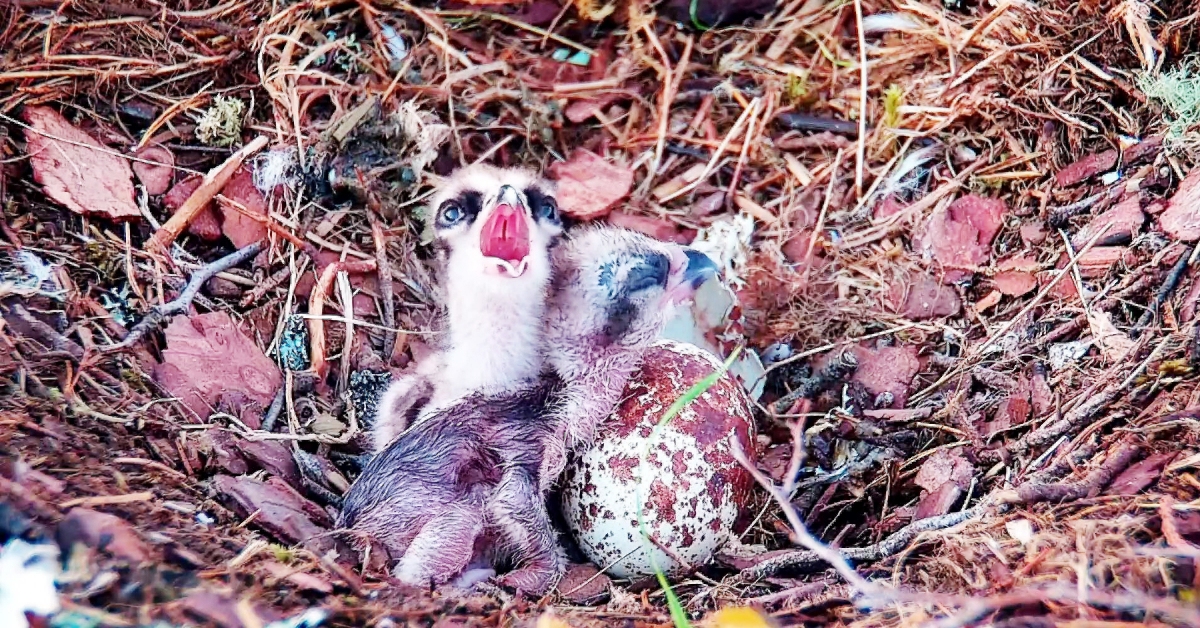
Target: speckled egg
694,490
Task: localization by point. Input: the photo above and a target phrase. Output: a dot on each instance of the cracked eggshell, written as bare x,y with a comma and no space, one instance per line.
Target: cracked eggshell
695,490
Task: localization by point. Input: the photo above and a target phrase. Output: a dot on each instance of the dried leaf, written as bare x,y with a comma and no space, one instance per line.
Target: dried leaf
887,370
243,230
102,531
1086,168
960,236
209,361
86,180
589,186
205,225
1124,221
924,298
583,584
157,176
281,511
1140,474
1181,220
327,425
945,465
1113,343
939,501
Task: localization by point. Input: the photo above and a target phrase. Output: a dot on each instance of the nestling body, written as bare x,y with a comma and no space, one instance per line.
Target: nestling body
471,477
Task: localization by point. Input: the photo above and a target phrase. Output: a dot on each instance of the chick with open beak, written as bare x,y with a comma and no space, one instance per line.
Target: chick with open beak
492,232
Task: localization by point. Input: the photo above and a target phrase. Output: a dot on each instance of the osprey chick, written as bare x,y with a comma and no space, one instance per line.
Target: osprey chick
493,229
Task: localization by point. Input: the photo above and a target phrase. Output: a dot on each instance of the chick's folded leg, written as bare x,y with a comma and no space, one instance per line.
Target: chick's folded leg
519,511
398,404
443,548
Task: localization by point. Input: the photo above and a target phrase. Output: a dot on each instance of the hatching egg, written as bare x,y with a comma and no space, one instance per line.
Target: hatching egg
693,489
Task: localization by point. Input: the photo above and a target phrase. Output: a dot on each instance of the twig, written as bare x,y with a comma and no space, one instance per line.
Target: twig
1078,416
861,155
384,270
1164,292
1036,492
46,334
807,559
273,412
213,183
316,307
159,313
818,550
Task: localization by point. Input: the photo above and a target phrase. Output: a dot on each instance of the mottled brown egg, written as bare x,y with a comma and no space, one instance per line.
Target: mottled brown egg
694,489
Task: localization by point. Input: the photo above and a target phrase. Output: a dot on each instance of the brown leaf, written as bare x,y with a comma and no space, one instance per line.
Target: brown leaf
580,110
281,511
1113,343
1086,168
960,236
1097,261
208,361
102,531
945,465
156,176
1126,220
205,225
1040,394
583,584
938,501
1181,220
887,369
1033,233
223,611
84,179
1014,410
1015,276
240,229
302,580
589,186
924,298
1140,474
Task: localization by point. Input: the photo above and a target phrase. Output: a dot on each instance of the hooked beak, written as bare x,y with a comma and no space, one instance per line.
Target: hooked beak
504,238
697,269
700,268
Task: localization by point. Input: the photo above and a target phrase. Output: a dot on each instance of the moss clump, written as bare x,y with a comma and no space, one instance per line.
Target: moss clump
221,125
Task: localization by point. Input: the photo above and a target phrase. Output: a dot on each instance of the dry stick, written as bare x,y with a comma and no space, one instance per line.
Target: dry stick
384,268
1036,492
47,334
316,308
817,549
1165,291
213,183
1081,414
861,155
159,313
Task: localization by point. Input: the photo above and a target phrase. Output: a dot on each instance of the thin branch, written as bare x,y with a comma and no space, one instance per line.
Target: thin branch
160,313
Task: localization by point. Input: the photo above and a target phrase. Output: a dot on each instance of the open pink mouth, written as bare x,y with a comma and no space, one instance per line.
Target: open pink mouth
505,239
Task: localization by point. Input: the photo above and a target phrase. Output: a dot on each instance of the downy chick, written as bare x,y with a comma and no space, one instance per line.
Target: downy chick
493,228
468,481
612,294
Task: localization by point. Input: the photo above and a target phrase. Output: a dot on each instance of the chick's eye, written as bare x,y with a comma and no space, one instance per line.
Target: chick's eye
547,209
451,213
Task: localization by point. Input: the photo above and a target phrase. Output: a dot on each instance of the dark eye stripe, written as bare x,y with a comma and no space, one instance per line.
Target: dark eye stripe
469,203
543,205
